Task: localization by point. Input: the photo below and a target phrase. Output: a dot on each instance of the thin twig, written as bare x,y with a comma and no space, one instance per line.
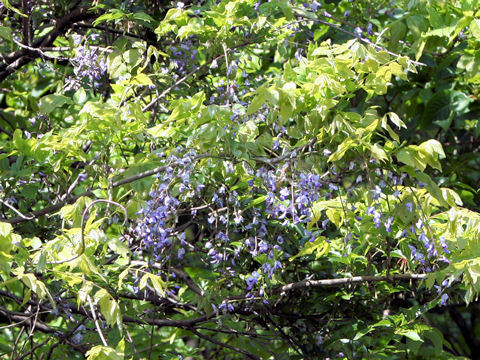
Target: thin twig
183,324
32,350
198,68
32,329
78,179
6,132
18,316
37,50
16,211
174,85
95,320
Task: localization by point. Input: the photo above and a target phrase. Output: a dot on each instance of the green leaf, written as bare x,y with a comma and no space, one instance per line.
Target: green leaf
475,28
396,120
119,247
287,99
436,338
342,149
378,153
143,282
320,247
116,65
100,352
108,307
412,335
158,284
143,16
248,131
335,216
258,100
432,151
319,206
443,106
432,188
84,292
5,232
49,103
412,156
141,79
397,33
417,25
7,4
114,14
6,33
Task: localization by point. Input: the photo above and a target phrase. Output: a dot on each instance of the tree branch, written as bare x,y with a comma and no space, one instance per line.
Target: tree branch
27,319
344,281
33,349
17,59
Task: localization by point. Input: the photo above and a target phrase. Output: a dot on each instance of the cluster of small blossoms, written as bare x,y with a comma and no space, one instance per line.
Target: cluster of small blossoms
291,199
314,5
77,337
224,92
87,64
379,190
225,215
156,229
384,220
233,89
183,56
430,249
439,288
250,221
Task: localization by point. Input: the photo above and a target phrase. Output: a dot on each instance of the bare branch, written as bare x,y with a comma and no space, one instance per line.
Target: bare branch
39,51
27,319
33,349
344,281
2,130
95,320
15,210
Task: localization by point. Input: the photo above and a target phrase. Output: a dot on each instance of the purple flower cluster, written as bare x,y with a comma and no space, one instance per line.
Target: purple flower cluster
431,252
87,64
291,199
440,288
225,215
156,229
182,57
314,5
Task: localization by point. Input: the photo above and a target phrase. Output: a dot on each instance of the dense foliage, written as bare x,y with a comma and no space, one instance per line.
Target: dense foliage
239,179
